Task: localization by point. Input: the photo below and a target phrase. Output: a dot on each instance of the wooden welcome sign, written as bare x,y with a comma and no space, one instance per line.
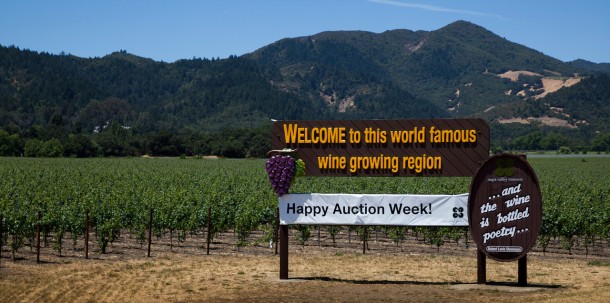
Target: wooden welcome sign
418,147
505,208
504,203
388,148
504,212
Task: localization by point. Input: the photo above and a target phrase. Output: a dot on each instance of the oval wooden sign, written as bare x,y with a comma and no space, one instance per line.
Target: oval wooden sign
505,207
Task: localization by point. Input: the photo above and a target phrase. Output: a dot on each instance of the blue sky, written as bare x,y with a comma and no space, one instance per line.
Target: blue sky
172,30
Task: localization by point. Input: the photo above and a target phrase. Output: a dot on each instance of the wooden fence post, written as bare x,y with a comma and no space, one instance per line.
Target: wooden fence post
1,221
277,228
364,236
209,235
38,239
87,234
150,220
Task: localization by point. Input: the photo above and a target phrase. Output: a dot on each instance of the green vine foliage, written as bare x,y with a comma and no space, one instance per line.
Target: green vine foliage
118,194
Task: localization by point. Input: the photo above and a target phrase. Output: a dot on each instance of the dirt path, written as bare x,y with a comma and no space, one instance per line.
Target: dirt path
316,276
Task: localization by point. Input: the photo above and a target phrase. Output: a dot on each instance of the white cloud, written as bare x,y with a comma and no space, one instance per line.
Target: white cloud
434,8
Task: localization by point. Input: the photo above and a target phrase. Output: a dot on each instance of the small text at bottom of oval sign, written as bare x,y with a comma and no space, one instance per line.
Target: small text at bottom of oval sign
506,249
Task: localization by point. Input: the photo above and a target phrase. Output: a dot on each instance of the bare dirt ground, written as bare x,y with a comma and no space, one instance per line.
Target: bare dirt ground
553,85
319,272
550,121
549,85
514,75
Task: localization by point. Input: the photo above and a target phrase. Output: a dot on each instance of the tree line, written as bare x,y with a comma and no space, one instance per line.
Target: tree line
116,140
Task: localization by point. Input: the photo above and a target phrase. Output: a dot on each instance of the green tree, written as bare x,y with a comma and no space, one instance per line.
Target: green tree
113,140
530,141
165,143
52,148
601,142
552,141
33,148
9,144
80,146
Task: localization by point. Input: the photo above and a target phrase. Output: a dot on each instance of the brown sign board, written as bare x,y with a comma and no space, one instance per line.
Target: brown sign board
418,147
505,207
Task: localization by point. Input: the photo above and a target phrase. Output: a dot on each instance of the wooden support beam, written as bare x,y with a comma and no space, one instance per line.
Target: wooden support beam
283,252
481,267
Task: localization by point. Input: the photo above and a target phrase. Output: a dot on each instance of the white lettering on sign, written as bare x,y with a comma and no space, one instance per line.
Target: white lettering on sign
517,201
513,216
509,217
510,231
511,190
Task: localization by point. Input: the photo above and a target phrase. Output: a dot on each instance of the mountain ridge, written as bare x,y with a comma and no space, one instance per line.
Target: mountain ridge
455,71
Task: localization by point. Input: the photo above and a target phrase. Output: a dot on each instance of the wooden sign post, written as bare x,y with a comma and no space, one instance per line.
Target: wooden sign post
374,148
504,212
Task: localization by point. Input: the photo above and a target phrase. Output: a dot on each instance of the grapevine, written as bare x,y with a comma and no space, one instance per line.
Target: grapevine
119,193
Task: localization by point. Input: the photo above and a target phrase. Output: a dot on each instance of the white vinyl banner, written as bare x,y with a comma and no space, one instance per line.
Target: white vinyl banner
365,209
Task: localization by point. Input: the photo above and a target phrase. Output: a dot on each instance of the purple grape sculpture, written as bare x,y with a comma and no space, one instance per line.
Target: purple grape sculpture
281,171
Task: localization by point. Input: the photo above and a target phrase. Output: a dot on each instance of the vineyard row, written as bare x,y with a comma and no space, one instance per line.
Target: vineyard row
118,194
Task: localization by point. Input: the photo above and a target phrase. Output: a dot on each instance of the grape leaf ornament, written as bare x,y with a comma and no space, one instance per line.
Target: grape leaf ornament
505,167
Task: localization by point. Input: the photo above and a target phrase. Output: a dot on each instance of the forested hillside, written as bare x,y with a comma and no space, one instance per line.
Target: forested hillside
125,105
